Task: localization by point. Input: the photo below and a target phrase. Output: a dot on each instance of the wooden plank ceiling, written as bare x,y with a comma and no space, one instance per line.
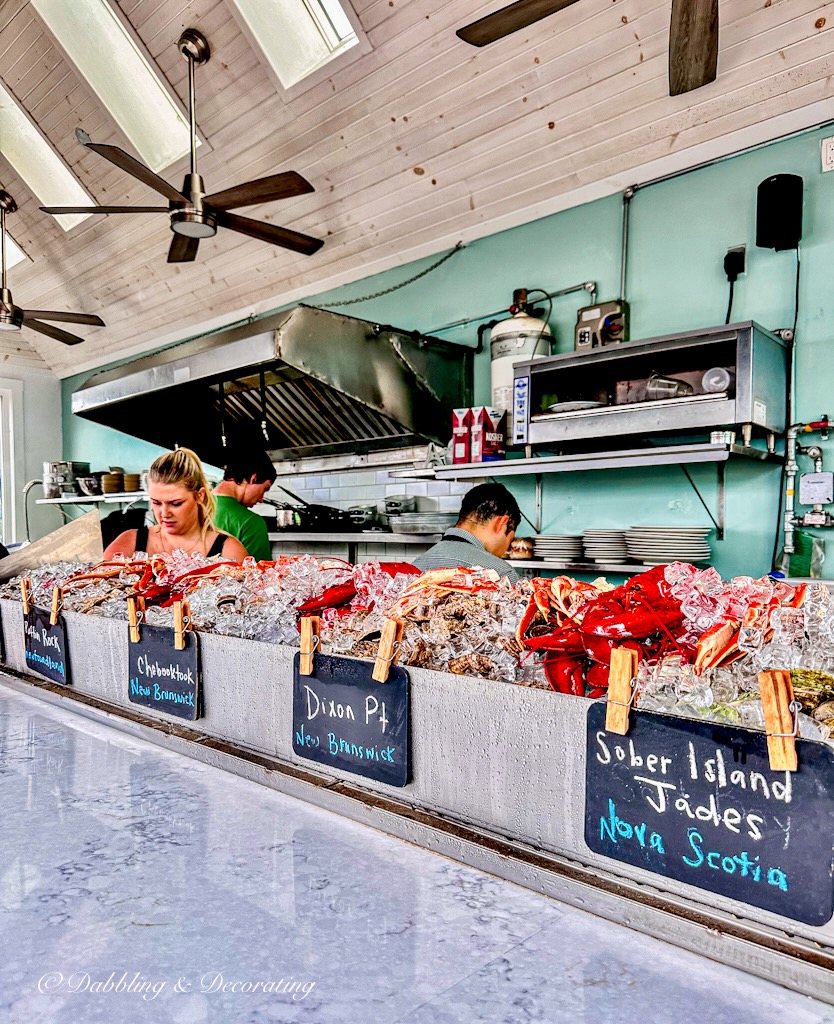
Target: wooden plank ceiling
420,141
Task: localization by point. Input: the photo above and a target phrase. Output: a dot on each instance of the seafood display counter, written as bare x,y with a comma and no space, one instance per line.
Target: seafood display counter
520,781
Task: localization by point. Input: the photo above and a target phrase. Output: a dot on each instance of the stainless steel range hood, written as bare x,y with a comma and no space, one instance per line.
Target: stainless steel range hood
302,382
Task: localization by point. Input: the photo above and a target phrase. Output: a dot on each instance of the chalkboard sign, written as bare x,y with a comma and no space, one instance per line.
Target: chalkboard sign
343,718
163,678
46,645
698,802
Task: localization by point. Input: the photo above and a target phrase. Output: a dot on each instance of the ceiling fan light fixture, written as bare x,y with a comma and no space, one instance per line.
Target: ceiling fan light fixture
194,225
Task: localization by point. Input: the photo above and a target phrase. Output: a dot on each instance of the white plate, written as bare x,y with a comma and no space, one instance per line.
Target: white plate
671,538
557,540
672,542
667,545
670,530
667,526
657,539
671,556
574,406
665,556
661,550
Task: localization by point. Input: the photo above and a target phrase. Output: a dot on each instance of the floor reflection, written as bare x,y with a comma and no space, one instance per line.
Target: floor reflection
137,885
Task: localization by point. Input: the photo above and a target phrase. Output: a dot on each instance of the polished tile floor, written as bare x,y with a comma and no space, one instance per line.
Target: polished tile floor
138,885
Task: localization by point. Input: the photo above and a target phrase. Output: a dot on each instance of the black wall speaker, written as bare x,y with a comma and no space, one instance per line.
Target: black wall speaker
779,212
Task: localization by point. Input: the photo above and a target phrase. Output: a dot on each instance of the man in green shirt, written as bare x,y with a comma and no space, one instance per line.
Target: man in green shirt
246,479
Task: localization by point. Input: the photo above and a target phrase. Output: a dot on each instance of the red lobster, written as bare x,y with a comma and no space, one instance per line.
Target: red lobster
642,614
343,593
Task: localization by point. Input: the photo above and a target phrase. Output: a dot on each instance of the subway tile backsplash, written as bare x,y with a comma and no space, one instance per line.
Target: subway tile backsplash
354,479
344,488
365,487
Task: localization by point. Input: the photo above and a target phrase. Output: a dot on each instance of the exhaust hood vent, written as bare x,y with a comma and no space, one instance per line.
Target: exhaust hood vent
303,382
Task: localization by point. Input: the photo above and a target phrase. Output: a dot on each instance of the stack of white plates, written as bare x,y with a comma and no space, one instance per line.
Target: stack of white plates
558,547
656,545
422,522
605,545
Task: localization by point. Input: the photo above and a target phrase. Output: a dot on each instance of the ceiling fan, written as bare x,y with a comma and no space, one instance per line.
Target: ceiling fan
693,35
195,215
12,317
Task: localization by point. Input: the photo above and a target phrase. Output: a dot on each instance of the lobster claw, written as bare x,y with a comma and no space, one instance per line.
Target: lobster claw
332,597
565,673
565,640
597,679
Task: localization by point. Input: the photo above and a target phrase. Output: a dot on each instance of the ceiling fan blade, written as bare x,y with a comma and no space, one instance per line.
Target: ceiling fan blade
262,190
693,45
289,239
54,332
105,209
509,19
128,163
183,249
67,318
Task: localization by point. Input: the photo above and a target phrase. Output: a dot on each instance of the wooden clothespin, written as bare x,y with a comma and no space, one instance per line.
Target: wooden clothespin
57,605
182,623
135,615
26,594
781,715
622,690
310,639
389,649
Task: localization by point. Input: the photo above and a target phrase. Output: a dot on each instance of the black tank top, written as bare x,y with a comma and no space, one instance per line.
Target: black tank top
216,548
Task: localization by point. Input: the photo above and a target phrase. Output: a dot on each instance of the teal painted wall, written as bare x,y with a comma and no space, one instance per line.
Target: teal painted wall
680,231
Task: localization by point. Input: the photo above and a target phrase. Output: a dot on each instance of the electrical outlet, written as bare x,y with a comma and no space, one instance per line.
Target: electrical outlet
740,261
827,154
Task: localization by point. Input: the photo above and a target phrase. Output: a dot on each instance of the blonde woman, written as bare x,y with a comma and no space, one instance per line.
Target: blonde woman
184,508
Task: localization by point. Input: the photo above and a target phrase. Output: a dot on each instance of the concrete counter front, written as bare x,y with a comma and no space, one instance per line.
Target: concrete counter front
498,781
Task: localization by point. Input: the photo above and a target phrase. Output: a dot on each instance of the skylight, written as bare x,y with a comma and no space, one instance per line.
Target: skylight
14,254
296,37
106,53
37,163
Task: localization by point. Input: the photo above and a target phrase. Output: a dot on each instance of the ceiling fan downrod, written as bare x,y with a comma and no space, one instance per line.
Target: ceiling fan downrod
194,220
10,316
